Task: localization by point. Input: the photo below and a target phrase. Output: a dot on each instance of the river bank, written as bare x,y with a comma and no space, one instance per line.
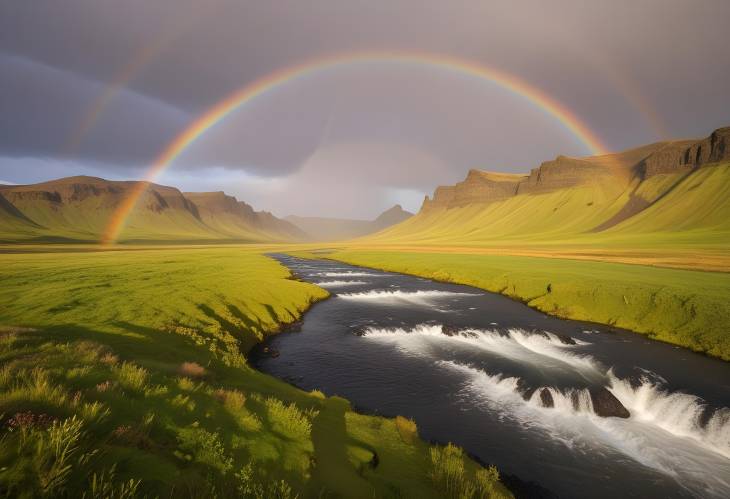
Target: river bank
686,308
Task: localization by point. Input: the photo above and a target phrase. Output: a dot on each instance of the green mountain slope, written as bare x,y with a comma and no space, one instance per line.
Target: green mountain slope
80,208
665,192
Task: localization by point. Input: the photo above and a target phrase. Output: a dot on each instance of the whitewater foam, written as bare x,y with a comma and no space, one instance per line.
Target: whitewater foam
399,297
339,284
347,274
678,413
514,344
659,434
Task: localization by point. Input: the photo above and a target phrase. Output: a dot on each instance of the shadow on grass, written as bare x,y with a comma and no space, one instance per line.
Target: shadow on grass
334,470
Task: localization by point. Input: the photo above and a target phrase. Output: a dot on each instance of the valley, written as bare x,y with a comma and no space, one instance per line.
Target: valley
364,250
151,326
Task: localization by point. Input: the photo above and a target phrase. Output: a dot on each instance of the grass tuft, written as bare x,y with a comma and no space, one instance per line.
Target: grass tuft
407,429
132,377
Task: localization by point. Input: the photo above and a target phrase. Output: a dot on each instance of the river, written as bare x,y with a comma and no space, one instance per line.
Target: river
542,398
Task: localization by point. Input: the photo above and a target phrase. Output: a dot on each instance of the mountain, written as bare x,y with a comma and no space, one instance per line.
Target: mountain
391,216
80,208
234,218
678,190
334,229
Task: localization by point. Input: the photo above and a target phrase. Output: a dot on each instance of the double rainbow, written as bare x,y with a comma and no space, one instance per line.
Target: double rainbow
223,108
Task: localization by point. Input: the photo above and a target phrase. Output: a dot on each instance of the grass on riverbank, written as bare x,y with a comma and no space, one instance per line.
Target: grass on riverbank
686,308
122,375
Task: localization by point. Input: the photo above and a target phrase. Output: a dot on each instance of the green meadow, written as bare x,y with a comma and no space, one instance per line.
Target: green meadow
123,374
683,307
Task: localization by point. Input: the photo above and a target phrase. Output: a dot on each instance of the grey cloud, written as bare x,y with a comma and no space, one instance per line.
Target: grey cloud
43,107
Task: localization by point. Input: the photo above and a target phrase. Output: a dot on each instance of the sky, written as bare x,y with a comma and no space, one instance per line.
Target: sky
102,87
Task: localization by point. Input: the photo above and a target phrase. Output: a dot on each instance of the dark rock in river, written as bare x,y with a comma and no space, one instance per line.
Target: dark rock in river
546,398
450,330
606,405
524,389
359,330
271,352
565,339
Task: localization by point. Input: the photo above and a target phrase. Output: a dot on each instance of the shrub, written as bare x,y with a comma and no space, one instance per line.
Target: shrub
317,394
205,447
109,359
6,375
186,384
486,479
232,399
450,477
24,423
55,451
37,385
191,370
448,472
94,411
132,377
407,429
290,418
103,486
104,386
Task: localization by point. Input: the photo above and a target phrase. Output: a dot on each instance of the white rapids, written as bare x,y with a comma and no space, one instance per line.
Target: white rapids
666,430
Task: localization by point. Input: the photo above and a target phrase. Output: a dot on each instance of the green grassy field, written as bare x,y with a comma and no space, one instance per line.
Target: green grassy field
123,374
686,308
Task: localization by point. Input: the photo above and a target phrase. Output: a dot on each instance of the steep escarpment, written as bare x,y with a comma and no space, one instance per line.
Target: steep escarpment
80,208
478,187
230,216
660,187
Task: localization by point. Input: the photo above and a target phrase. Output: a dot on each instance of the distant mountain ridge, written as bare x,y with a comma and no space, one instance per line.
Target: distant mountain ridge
333,229
658,188
80,208
644,162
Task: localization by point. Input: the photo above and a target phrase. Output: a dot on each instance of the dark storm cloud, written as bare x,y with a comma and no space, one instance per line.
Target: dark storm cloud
43,106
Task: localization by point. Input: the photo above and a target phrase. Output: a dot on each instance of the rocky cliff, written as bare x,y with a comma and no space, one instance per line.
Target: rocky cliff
687,155
81,208
611,171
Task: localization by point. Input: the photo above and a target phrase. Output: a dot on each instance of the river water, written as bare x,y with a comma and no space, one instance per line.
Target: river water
513,386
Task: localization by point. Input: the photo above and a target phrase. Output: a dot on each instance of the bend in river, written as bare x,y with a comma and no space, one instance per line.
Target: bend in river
562,403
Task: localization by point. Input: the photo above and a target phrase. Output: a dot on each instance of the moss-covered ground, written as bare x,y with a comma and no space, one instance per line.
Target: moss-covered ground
123,374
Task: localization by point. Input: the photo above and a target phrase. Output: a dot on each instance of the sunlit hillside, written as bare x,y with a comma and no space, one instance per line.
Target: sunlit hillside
656,203
82,208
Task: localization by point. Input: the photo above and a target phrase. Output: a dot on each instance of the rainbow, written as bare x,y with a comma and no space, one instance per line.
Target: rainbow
223,108
139,60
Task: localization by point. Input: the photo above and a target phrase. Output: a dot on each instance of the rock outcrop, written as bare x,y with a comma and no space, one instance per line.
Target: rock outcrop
687,155
605,404
478,187
563,172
